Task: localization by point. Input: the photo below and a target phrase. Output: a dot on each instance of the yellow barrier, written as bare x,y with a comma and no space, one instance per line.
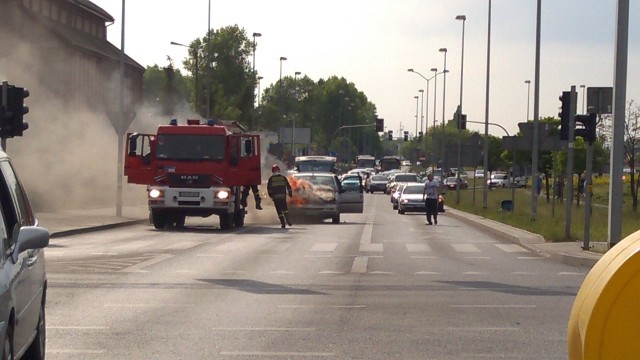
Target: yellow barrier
605,318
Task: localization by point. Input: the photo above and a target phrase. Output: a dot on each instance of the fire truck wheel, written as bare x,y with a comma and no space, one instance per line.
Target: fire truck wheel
226,221
238,218
159,220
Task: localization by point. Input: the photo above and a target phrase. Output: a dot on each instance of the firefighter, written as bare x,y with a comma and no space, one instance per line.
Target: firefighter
256,196
278,187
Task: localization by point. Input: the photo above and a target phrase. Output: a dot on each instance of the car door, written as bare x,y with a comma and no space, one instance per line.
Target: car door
351,197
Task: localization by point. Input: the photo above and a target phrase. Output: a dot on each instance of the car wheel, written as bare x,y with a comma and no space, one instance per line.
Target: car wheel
37,348
7,352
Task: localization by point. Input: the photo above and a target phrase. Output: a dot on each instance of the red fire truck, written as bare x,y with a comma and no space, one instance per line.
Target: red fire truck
194,169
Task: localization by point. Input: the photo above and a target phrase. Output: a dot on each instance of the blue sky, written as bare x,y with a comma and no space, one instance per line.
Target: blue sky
372,43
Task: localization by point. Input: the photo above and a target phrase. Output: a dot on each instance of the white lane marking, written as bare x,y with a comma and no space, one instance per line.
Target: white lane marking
477,257
263,329
511,248
426,273
274,354
134,245
529,258
229,246
77,351
478,306
367,234
282,272
417,247
422,257
182,245
360,264
148,305
138,267
465,248
323,306
78,327
326,247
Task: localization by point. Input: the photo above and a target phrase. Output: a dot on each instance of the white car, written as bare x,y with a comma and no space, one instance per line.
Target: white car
499,181
478,173
411,198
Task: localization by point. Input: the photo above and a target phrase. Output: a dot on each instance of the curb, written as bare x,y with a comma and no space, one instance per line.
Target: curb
64,233
588,259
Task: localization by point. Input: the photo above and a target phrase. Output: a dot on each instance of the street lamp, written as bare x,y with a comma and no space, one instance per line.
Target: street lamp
582,87
421,91
417,98
459,119
485,144
259,78
436,73
195,73
253,74
282,58
528,82
444,94
293,129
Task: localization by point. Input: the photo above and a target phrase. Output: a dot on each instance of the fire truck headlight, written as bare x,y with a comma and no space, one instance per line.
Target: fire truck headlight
222,194
155,193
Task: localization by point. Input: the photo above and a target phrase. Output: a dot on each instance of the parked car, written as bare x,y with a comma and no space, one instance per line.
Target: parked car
410,199
23,280
499,181
322,196
376,183
451,181
479,173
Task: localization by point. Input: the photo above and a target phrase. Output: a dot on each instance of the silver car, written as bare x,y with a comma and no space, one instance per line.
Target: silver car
23,281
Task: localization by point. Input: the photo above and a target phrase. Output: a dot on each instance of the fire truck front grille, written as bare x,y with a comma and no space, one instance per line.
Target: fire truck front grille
189,203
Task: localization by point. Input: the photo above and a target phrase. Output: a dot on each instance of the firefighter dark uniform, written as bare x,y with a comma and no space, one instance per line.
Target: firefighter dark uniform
278,187
256,196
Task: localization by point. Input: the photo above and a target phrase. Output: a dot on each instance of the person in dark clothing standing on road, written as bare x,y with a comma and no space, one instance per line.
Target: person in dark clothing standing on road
430,197
278,187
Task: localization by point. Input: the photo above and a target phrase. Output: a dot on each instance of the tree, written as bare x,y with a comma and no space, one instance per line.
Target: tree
164,87
631,143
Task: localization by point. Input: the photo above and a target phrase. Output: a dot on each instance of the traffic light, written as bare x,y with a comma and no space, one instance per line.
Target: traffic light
564,114
406,136
13,111
588,130
390,135
461,121
379,125
420,136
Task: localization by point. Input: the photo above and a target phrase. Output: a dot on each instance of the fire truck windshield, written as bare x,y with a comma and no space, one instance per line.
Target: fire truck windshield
190,147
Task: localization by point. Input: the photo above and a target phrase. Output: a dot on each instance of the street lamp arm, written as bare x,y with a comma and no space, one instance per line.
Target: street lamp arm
494,124
349,126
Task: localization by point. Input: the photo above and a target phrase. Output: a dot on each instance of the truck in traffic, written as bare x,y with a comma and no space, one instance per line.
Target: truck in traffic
365,162
194,169
389,163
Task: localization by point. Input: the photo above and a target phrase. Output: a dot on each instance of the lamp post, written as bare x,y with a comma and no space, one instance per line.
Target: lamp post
444,94
421,91
195,74
464,20
528,82
282,58
259,78
436,73
253,74
293,129
417,104
485,146
582,87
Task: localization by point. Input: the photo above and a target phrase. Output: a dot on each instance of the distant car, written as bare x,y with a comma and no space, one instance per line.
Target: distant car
499,181
450,183
376,183
401,178
23,280
479,173
321,196
410,198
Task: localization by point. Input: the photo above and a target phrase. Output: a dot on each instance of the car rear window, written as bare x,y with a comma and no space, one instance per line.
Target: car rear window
406,178
379,178
413,190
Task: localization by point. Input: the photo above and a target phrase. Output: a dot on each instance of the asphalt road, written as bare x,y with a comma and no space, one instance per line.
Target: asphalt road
378,286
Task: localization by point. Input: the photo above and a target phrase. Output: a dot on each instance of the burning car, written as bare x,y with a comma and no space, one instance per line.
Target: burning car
322,196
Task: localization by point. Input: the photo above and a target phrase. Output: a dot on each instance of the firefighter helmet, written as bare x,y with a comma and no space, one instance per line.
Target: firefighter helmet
275,168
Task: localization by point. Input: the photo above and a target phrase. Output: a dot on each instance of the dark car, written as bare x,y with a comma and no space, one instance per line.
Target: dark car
376,183
450,183
23,281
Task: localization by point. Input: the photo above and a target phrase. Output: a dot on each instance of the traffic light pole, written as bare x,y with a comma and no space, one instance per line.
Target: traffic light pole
588,187
569,177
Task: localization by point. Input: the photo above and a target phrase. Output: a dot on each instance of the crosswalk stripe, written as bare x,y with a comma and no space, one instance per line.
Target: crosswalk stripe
465,248
417,247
